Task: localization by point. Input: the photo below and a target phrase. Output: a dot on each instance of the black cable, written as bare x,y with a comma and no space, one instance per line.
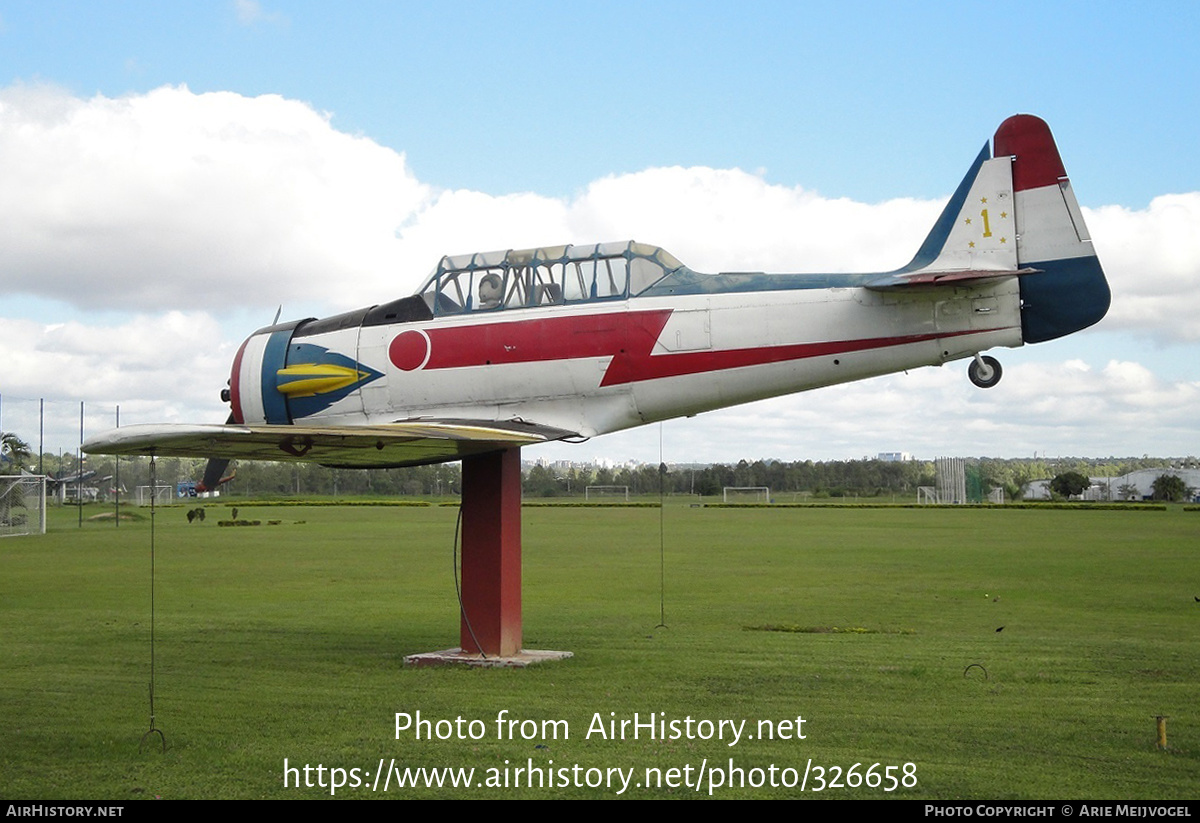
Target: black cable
462,609
153,728
662,540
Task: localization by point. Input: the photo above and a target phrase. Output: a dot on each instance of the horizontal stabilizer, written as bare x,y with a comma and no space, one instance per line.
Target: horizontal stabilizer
929,279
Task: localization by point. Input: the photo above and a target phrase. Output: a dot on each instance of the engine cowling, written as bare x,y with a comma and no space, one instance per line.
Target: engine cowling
281,375
253,390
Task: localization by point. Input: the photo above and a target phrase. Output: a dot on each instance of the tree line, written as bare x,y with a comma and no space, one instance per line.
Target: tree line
819,479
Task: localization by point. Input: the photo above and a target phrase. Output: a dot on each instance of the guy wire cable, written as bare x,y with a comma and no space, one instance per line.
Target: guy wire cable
662,541
462,609
153,728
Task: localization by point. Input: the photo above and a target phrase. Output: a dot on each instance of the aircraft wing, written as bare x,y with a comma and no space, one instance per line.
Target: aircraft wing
410,443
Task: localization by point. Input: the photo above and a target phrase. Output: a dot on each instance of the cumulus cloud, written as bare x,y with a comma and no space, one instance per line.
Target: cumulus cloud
176,355
171,198
1152,256
732,220
250,12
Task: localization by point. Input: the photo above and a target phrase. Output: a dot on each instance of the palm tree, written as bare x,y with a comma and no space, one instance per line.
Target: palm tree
14,452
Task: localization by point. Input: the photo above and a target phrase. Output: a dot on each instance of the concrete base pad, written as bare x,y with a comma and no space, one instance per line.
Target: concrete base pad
457,657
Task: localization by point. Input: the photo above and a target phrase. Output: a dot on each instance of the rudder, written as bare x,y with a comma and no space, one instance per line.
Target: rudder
1069,292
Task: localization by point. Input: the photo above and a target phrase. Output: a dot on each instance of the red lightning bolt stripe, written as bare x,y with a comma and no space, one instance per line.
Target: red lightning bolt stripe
628,338
626,368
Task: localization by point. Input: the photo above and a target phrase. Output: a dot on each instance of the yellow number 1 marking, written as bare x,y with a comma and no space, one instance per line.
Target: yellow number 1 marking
987,229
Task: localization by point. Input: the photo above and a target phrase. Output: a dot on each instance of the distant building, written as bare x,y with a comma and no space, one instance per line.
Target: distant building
894,457
1141,482
1137,485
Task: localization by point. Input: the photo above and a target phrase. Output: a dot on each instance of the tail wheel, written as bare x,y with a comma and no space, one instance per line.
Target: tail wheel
984,371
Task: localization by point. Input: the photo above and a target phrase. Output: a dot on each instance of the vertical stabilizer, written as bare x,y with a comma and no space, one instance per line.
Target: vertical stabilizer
976,231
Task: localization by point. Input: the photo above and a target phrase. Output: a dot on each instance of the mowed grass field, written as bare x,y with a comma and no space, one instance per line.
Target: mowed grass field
287,641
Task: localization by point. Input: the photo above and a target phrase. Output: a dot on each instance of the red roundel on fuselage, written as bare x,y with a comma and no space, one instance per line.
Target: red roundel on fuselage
409,350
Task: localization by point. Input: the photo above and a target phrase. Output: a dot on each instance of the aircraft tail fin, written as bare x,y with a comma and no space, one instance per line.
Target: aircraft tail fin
1016,213
976,230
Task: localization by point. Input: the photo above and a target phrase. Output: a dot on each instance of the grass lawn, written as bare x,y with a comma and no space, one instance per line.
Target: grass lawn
286,641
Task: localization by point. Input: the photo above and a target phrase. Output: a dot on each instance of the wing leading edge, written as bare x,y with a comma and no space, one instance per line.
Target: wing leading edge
391,445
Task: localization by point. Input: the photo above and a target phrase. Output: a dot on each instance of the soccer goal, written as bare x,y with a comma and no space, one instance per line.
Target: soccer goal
746,494
163,495
22,505
606,493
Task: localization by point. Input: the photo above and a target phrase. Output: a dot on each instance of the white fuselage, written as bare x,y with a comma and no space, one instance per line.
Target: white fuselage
593,368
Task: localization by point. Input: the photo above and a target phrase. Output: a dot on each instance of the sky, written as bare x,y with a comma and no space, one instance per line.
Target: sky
176,173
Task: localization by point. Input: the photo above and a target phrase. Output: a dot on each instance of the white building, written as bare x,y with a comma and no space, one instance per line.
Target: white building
1137,485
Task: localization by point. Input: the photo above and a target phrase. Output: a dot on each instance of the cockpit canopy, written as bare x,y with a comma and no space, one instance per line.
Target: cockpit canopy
549,276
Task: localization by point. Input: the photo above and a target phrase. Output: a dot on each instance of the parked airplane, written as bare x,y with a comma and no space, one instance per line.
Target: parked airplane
70,480
77,479
511,348
72,486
